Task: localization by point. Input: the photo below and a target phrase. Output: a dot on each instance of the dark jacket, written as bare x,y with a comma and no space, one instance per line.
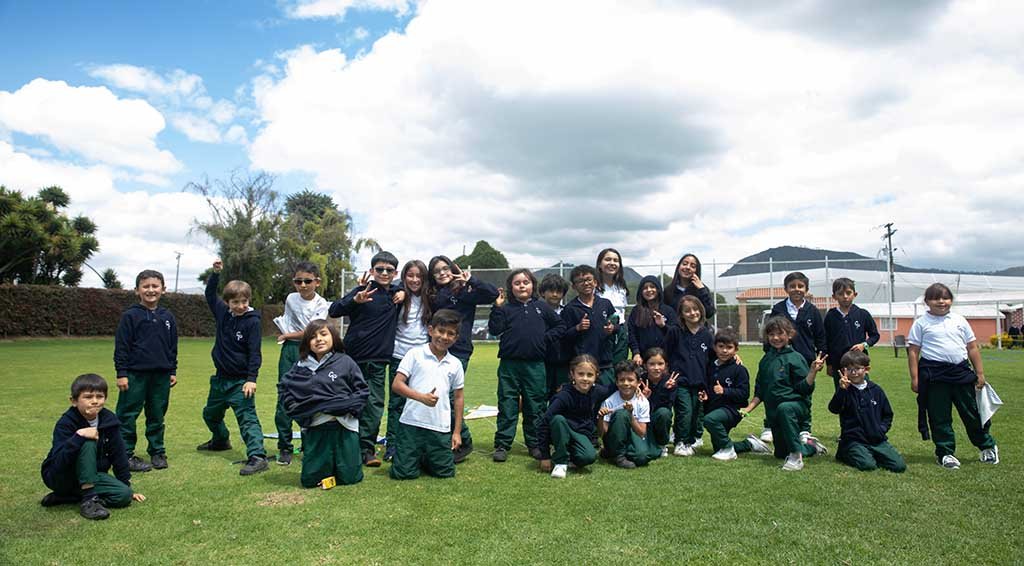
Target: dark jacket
643,337
372,325
236,351
810,330
735,381
661,396
864,416
525,329
781,377
689,353
146,340
843,332
336,387
579,410
673,297
592,341
58,469
464,301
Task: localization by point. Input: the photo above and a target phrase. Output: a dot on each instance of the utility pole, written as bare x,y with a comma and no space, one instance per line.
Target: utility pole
892,279
177,269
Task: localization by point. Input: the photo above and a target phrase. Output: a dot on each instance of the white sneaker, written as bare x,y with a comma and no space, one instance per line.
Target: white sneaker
680,449
697,443
766,435
756,446
819,448
949,462
559,471
794,462
664,451
725,454
990,455
671,437
804,435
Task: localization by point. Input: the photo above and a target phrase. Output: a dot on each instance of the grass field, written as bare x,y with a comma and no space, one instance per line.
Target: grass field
679,510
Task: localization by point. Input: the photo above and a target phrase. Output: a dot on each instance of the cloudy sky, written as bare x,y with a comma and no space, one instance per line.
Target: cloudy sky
550,129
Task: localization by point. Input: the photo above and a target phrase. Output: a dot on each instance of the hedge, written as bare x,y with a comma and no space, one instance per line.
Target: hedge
43,310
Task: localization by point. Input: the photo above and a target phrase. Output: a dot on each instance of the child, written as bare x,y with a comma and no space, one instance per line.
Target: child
660,390
941,342
146,360
650,319
686,281
725,393
525,326
588,321
454,288
300,308
236,355
568,424
427,438
847,326
411,332
556,362
689,348
785,384
864,417
623,421
324,392
373,320
86,443
611,285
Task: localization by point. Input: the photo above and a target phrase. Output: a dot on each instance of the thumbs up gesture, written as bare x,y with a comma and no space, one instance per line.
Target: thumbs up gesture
430,399
718,389
584,324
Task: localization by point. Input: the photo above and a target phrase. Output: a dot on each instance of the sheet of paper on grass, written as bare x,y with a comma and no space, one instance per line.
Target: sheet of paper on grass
988,403
482,412
295,434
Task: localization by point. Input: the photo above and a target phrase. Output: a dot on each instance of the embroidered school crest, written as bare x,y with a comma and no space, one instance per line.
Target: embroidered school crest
537,309
167,323
238,336
809,321
332,375
856,324
703,347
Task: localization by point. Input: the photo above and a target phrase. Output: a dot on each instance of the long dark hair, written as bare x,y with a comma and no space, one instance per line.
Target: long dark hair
619,280
312,328
673,287
434,287
529,275
424,293
645,312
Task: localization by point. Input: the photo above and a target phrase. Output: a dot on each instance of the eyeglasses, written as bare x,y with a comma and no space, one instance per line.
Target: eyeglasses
441,270
298,281
384,270
856,370
585,281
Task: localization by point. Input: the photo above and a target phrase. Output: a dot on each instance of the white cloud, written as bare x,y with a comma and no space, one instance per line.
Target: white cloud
146,81
196,128
317,9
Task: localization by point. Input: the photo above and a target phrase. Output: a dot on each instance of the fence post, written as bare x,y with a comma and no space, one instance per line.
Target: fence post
714,287
999,329
771,281
828,298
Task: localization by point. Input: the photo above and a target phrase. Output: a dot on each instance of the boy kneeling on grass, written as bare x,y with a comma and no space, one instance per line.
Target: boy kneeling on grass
86,444
864,417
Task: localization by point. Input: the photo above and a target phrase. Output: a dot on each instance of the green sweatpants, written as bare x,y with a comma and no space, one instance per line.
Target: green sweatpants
111,490
622,440
785,424
396,403
525,381
330,450
620,344
149,391
467,438
569,445
557,376
606,376
688,413
719,422
283,423
369,420
419,449
659,427
867,457
227,392
942,397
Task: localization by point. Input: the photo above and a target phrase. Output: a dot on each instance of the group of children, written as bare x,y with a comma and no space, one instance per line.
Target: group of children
566,368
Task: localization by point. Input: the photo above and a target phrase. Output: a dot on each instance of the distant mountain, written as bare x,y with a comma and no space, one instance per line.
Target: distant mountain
1010,271
783,259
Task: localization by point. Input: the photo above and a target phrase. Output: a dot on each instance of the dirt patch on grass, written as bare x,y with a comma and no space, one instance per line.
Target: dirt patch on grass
281,499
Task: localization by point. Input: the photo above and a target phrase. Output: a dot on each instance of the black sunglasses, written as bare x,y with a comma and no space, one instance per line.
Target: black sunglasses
303,281
383,270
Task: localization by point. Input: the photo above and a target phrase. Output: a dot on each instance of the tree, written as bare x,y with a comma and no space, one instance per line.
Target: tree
39,244
483,256
110,280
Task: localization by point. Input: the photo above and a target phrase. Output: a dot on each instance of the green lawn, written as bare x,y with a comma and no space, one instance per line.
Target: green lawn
674,511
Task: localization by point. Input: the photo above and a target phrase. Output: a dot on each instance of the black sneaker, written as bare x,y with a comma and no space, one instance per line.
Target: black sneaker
52,499
159,461
389,453
255,465
136,464
535,453
371,460
92,508
462,452
500,454
284,457
212,446
624,463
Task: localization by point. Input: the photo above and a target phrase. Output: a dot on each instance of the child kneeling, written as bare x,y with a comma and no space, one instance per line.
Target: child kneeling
624,417
325,392
864,417
725,396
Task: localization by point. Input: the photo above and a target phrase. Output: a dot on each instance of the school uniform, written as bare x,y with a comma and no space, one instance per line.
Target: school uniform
661,400
146,354
722,411
782,387
809,339
370,341
568,426
525,330
423,440
689,354
619,340
843,331
298,313
592,341
556,363
410,333
236,355
642,338
865,417
74,460
325,397
945,379
674,296
620,439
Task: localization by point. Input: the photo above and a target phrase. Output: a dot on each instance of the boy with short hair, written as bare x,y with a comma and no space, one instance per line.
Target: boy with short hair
725,394
236,355
865,417
623,421
146,361
86,443
426,438
300,308
847,326
588,321
556,362
372,311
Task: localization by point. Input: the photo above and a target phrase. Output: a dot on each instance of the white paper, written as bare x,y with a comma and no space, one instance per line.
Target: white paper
988,402
482,412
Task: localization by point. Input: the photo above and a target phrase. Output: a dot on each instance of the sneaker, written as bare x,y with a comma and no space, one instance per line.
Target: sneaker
819,448
949,462
766,435
52,499
664,451
725,454
559,471
804,435
990,455
92,508
697,443
212,446
284,458
389,453
255,465
794,462
624,463
462,453
688,450
757,446
500,454
371,460
535,453
136,464
159,461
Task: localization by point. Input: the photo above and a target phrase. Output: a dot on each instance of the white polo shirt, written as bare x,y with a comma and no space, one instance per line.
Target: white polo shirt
424,373
641,407
299,312
942,338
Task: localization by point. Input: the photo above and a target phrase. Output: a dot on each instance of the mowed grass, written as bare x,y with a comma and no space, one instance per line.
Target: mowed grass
679,510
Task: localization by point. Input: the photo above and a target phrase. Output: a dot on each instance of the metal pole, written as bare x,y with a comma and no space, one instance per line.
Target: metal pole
828,298
714,286
177,269
999,329
771,281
